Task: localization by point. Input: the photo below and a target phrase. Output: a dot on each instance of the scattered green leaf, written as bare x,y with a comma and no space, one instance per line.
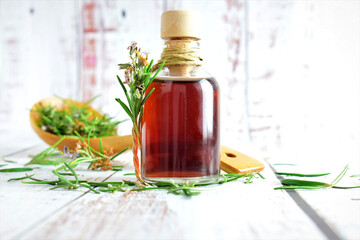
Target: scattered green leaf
128,174
302,175
303,184
19,169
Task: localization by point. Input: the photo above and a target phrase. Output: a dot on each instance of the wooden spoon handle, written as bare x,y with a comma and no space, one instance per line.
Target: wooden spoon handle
232,161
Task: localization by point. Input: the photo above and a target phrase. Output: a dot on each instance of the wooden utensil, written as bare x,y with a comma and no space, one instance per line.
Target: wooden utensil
232,161
111,143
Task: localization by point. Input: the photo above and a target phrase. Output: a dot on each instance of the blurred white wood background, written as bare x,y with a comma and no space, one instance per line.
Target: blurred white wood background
289,70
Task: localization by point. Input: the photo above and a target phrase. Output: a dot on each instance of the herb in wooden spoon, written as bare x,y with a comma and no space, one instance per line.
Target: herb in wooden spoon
65,122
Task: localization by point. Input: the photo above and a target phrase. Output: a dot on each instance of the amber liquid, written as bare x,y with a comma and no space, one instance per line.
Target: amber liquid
180,130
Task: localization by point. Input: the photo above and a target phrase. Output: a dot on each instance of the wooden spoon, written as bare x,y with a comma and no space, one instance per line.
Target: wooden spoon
111,143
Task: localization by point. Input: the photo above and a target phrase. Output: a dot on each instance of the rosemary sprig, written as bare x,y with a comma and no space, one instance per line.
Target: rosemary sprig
303,184
187,189
138,78
83,153
49,156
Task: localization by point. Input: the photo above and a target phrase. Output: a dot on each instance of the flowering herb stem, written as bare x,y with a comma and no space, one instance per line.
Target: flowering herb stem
138,77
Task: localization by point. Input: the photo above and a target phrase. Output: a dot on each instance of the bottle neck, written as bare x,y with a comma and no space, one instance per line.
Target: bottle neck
182,44
182,56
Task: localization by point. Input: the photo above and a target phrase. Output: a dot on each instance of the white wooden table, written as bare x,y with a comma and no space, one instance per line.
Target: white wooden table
229,211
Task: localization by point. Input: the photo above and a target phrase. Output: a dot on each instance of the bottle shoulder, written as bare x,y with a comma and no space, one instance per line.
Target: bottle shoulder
184,73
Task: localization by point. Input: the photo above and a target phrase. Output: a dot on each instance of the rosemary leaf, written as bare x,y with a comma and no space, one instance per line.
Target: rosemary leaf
157,72
340,187
126,93
302,175
117,168
16,169
341,175
89,187
298,187
127,110
66,174
101,146
64,179
20,178
47,157
295,182
146,97
73,172
113,157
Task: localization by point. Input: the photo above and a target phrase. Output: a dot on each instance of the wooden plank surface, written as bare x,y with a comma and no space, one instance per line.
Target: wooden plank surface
229,211
32,204
233,210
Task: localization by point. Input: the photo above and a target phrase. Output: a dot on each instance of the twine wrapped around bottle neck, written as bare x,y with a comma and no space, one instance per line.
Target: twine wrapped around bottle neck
180,52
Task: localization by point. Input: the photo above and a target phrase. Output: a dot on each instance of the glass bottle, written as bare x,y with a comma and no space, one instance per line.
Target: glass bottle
180,124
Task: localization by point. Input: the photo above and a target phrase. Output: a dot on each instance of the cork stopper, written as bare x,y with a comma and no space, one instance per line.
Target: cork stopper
181,24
